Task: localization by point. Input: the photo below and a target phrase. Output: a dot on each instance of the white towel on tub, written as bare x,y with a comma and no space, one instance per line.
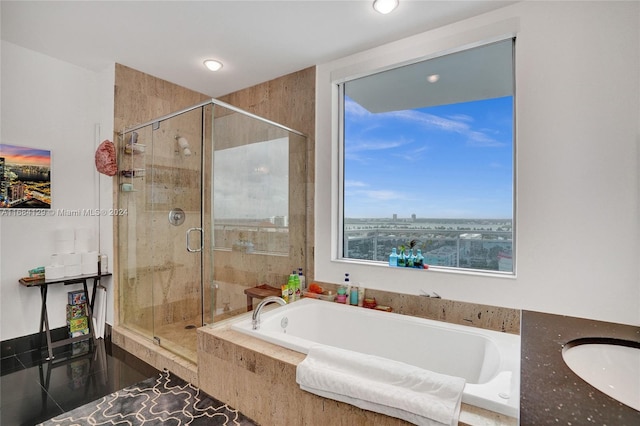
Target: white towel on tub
378,384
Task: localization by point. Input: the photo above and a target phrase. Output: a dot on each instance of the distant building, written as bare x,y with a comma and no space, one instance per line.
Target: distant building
395,217
505,262
3,181
16,191
442,256
413,217
470,236
282,221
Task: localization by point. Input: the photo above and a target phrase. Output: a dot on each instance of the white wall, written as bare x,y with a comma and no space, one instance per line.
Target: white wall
577,106
51,104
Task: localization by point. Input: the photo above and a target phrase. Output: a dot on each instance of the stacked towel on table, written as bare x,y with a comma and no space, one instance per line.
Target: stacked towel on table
378,384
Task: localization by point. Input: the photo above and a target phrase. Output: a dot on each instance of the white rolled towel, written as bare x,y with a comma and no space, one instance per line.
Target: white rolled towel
53,272
64,234
83,234
65,246
382,385
82,246
72,259
72,270
90,262
90,257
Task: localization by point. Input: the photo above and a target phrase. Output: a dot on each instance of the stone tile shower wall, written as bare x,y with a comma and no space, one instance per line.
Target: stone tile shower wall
139,97
276,253
149,253
290,101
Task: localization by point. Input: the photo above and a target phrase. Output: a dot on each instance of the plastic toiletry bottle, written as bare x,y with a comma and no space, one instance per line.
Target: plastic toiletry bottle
285,292
393,257
291,287
297,288
303,280
353,296
361,295
347,288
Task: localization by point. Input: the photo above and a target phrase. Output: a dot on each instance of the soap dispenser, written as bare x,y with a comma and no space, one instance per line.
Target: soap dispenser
343,291
303,280
353,295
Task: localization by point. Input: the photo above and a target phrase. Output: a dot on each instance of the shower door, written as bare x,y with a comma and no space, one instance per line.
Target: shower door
255,208
216,202
175,205
161,274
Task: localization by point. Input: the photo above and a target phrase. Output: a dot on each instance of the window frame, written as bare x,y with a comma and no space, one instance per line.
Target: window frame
339,110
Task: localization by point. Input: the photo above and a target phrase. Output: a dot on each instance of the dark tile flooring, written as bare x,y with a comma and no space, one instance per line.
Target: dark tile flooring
33,390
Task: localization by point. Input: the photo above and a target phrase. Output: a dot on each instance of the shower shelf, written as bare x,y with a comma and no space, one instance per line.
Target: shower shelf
134,149
127,187
133,173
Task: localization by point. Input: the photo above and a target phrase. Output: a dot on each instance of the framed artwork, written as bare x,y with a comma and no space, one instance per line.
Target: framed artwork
25,177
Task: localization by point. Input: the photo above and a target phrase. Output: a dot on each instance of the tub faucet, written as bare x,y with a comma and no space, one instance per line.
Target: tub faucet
255,319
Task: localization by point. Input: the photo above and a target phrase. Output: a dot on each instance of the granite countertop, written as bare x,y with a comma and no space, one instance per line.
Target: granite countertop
550,393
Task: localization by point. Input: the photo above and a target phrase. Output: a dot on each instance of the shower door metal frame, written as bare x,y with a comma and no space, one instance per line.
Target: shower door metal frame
214,102
205,145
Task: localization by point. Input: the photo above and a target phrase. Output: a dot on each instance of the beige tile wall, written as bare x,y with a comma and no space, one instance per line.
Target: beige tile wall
155,254
472,314
149,258
241,370
290,101
229,369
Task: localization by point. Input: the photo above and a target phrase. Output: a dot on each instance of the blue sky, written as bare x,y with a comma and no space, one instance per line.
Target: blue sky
448,161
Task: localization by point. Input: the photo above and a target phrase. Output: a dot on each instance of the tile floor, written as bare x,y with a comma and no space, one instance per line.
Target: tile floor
164,399
33,390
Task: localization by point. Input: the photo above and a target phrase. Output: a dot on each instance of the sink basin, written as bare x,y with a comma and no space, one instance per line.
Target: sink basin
612,366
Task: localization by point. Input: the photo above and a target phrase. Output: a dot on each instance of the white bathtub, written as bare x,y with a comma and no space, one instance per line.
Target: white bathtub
488,360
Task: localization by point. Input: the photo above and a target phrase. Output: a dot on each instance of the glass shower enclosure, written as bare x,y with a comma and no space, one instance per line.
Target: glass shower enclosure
213,202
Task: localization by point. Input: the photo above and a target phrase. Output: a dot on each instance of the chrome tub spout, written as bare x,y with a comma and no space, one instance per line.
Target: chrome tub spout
255,319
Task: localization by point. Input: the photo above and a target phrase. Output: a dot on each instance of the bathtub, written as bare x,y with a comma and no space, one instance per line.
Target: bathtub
489,361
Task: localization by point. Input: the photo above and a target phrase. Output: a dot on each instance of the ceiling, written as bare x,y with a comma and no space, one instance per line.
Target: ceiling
256,40
483,72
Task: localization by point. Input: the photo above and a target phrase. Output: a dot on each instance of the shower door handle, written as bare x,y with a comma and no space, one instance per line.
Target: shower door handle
198,249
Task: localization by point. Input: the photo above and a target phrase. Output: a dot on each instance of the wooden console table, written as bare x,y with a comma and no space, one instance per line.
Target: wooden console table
44,319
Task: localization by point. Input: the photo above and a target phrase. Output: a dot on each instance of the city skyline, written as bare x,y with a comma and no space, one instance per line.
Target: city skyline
23,156
25,177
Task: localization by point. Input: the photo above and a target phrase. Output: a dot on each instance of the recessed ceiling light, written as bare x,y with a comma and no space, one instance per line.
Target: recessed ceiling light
212,64
433,78
385,6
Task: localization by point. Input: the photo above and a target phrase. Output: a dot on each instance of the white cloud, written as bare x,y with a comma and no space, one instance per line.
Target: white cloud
457,123
354,184
373,145
382,195
355,109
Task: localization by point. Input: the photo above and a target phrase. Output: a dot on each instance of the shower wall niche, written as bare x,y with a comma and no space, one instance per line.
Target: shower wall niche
215,202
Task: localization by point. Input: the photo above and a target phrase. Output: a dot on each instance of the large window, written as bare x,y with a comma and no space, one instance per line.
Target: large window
428,161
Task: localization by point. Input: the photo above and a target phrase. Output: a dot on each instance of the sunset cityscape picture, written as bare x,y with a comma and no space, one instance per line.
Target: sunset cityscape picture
25,177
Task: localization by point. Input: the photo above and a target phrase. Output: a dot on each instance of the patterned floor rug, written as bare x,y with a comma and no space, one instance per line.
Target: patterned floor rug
163,400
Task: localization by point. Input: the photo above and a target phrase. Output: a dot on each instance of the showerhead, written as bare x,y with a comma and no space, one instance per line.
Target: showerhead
183,143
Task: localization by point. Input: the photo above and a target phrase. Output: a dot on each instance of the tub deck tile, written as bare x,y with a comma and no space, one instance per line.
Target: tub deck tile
263,386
